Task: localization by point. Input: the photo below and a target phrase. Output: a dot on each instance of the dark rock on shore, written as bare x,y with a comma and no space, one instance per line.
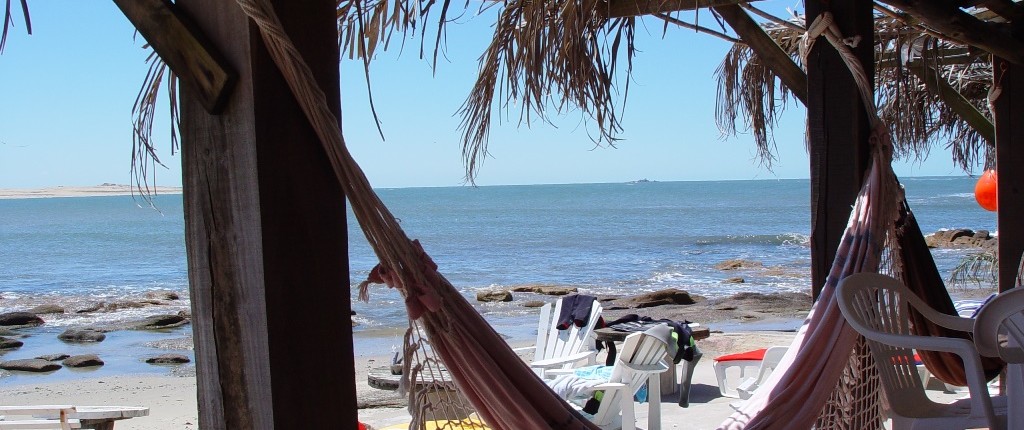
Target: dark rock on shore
30,365
168,359
85,360
548,290
47,309
962,238
163,295
87,334
53,357
6,343
735,280
533,304
21,319
658,298
739,264
91,308
494,296
738,307
159,322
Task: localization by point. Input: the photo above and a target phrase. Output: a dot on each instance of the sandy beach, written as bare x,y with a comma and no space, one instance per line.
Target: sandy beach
106,189
172,399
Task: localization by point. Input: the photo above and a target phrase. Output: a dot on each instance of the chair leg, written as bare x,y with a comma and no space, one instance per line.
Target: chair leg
628,414
654,401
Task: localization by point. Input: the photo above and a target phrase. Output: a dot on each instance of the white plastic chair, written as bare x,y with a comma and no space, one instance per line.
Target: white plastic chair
562,349
877,306
999,332
744,363
772,358
642,359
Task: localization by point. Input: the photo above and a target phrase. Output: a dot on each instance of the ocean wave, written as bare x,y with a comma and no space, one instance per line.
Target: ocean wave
756,239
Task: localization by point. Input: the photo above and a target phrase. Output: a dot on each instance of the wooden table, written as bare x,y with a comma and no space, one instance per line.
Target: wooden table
103,417
668,378
611,334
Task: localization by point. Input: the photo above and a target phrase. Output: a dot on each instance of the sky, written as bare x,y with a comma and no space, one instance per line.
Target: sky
67,90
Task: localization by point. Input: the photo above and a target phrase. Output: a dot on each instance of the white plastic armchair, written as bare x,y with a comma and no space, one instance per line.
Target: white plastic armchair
772,358
877,307
999,332
562,349
642,356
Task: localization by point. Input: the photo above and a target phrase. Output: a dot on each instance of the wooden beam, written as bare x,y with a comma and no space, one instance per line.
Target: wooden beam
184,48
956,101
946,17
1008,81
1007,9
627,8
266,235
766,49
838,130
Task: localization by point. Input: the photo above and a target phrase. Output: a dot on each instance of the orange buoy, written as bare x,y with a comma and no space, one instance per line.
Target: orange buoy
986,191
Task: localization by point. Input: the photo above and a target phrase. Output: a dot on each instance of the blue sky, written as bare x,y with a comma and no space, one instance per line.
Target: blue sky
66,94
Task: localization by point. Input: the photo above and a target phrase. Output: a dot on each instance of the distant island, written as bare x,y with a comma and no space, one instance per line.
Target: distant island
640,181
105,189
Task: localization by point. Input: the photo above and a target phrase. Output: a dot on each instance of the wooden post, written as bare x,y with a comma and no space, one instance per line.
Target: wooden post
837,129
1009,109
266,235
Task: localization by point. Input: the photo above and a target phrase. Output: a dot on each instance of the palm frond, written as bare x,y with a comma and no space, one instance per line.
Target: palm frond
976,268
144,153
9,21
561,55
917,114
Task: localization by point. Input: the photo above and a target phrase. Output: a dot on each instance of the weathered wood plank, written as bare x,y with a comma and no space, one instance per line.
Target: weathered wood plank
626,8
955,101
266,235
184,48
766,49
946,17
1009,109
1007,9
838,131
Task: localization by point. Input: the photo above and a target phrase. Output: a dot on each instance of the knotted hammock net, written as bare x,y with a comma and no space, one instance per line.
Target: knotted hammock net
455,362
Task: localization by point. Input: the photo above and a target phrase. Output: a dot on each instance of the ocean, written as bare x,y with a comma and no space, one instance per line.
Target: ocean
614,238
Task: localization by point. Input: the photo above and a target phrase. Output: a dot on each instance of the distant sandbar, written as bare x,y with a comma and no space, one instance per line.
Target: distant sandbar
80,191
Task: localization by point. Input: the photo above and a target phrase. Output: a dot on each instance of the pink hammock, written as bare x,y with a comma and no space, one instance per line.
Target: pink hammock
501,387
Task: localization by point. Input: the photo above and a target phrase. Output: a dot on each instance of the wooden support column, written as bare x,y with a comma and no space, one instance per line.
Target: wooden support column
1009,109
266,235
838,130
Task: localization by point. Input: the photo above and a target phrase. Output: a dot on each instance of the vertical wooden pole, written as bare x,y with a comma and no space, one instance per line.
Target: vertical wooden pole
1009,110
266,235
837,130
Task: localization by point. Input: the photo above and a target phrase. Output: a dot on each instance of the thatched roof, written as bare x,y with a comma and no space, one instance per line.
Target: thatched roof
914,65
564,55
559,56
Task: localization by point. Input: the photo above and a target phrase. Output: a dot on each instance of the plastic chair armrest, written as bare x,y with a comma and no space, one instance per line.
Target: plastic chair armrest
646,368
524,349
560,361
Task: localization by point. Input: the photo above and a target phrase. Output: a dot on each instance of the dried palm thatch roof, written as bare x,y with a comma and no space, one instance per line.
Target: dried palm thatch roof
562,55
915,68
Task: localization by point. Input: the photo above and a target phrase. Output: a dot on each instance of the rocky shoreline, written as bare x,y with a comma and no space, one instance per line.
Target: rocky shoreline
28,328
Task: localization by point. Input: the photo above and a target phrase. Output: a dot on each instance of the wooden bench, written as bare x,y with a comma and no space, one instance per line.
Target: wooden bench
36,417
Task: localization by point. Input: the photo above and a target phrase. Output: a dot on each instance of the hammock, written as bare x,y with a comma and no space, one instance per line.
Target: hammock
444,326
